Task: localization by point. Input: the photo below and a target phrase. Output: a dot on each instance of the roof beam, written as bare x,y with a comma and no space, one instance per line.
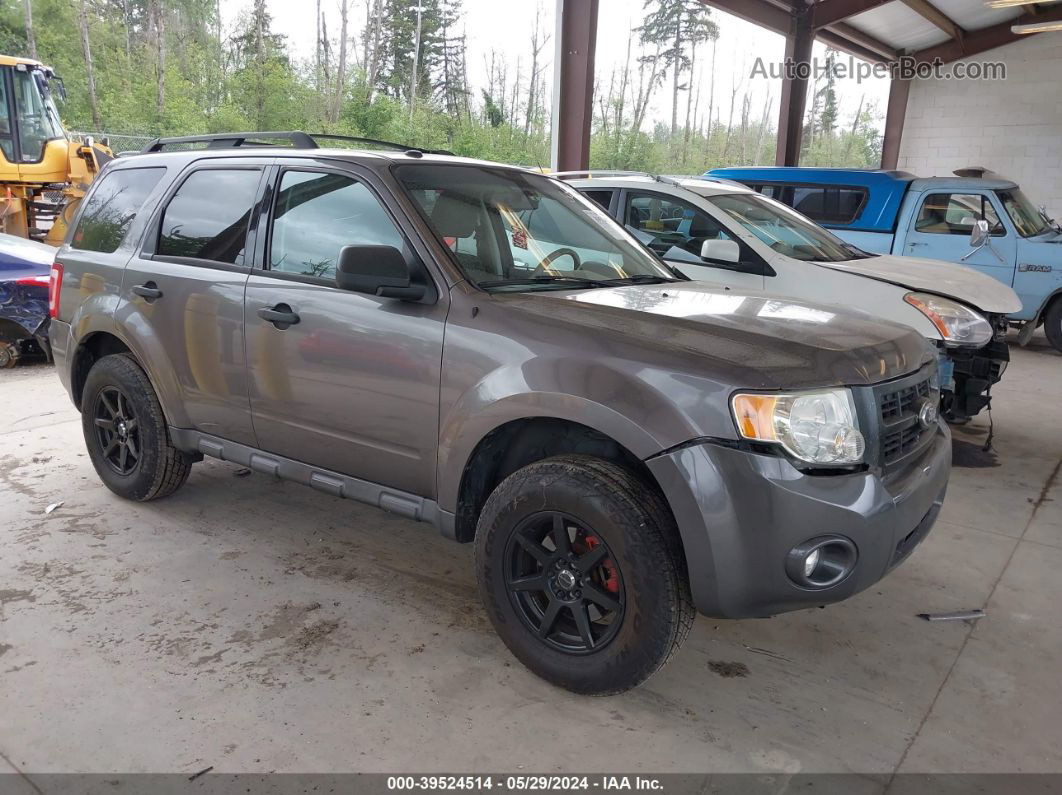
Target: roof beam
843,37
930,12
978,41
830,12
873,49
758,12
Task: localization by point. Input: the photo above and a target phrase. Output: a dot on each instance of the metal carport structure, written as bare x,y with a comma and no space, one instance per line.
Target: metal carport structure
879,31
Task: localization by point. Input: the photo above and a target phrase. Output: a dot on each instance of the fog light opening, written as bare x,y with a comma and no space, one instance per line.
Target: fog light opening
821,562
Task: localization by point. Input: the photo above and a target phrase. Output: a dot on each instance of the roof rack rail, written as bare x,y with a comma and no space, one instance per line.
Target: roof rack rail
602,172
605,172
296,138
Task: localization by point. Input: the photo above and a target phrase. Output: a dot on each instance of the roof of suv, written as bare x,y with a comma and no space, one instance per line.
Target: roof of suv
330,153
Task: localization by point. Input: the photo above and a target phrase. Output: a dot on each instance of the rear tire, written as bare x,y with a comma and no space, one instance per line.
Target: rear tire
125,432
603,615
1053,324
9,355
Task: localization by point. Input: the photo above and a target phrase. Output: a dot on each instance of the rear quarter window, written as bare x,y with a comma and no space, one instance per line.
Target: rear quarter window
824,204
112,207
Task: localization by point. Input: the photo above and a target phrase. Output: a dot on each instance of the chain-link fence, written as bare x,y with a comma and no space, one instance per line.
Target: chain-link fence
120,142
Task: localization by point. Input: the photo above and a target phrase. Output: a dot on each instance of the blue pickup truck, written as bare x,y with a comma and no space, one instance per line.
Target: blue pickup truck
986,223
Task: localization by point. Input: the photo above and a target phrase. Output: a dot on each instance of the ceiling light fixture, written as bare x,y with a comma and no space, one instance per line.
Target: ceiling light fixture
1037,27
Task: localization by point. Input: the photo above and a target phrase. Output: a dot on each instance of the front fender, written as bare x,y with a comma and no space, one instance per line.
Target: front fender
481,411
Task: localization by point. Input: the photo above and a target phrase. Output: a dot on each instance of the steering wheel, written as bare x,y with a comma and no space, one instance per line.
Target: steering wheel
557,254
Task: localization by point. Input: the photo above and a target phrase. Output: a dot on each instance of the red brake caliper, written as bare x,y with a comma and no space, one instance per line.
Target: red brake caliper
611,575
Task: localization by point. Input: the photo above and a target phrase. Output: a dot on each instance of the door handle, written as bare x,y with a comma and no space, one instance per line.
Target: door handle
280,316
149,291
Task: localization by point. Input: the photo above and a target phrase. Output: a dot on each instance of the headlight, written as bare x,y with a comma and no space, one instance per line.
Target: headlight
957,323
818,427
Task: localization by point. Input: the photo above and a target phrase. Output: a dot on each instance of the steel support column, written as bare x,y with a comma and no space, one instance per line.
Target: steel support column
798,45
894,118
573,83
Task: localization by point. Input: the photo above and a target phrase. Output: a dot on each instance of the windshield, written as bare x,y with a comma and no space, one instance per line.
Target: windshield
784,230
512,230
1028,220
38,120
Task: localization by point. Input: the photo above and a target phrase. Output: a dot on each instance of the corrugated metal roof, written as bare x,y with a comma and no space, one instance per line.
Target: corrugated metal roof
900,27
974,15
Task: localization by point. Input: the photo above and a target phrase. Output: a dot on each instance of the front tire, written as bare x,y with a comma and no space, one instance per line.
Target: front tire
125,432
1053,324
581,570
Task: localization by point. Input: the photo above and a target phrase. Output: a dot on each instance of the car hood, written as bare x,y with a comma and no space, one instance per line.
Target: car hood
748,338
936,276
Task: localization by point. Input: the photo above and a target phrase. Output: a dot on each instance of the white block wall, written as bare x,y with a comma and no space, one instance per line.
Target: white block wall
1012,126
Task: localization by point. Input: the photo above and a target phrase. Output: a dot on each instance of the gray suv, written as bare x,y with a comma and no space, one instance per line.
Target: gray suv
480,348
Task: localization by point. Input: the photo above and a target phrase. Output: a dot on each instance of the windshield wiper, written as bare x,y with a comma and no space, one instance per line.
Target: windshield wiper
544,279
582,281
640,278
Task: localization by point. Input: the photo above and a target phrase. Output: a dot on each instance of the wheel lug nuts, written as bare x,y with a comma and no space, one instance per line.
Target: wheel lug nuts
577,593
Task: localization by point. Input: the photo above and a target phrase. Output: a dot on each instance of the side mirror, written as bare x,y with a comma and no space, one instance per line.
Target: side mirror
979,233
721,251
377,270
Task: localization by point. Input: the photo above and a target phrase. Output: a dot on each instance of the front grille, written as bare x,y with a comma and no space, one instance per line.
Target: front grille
894,404
899,443
897,404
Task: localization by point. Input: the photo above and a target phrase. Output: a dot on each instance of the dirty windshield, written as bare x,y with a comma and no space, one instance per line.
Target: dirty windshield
511,230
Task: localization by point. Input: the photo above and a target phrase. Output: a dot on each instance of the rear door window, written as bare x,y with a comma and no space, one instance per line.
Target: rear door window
601,197
828,204
207,218
111,208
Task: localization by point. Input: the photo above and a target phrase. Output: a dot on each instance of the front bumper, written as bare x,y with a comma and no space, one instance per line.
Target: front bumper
739,514
967,376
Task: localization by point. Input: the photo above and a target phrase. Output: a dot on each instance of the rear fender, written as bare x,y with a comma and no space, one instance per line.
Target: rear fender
111,314
21,311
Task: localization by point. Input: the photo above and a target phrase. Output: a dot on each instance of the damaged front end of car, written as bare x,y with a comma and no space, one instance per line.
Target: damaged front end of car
967,373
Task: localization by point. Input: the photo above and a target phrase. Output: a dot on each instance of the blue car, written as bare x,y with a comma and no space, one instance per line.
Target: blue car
985,223
25,266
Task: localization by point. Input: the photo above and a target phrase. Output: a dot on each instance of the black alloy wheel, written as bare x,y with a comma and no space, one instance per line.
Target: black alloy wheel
117,430
563,582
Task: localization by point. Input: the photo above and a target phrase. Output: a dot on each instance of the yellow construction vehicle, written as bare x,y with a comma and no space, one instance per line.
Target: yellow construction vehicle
44,172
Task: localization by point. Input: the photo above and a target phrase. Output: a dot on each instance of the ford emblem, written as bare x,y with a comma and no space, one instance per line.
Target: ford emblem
927,414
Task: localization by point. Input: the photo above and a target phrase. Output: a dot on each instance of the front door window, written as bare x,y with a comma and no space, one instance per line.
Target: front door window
672,228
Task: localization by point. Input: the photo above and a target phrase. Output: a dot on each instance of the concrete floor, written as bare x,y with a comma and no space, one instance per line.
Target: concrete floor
256,626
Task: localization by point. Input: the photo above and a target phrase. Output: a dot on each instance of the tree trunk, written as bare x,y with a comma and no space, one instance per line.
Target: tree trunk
416,65
711,108
127,19
855,128
730,119
341,69
689,100
259,63
763,127
31,40
90,75
675,78
160,58
317,51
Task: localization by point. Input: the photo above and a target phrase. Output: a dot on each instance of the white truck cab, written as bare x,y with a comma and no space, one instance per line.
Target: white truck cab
724,233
